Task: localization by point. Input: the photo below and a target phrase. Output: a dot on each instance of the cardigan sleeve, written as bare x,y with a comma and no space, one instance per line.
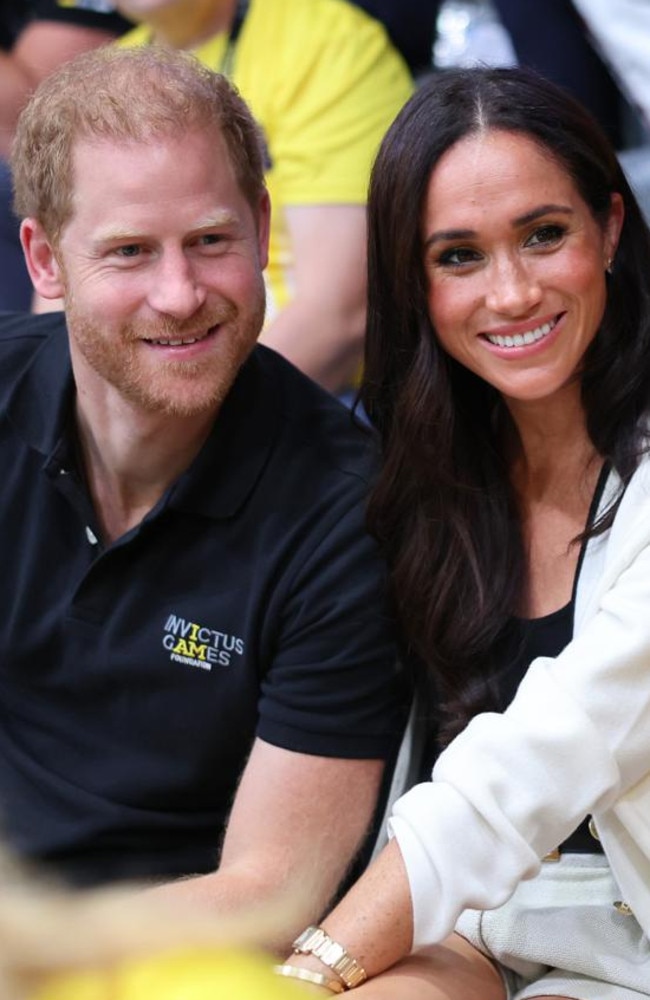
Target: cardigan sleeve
574,740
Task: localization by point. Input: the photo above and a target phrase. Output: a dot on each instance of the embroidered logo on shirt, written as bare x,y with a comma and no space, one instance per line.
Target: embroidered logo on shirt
199,646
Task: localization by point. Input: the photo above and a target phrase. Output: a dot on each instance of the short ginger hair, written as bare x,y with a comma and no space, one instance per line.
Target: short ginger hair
126,95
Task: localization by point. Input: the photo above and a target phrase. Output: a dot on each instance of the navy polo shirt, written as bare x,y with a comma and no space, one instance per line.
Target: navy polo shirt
135,676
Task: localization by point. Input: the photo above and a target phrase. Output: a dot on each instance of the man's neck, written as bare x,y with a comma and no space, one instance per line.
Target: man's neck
131,458
186,25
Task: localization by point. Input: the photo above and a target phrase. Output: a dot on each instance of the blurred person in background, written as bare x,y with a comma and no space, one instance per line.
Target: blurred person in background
551,38
411,25
324,81
596,49
36,36
621,31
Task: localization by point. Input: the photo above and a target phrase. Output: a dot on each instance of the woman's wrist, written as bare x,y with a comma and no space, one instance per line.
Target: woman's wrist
317,942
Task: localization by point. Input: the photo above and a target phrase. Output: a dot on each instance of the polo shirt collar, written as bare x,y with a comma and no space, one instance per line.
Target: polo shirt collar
225,471
41,402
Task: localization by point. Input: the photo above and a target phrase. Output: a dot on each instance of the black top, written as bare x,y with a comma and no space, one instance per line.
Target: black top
134,676
529,638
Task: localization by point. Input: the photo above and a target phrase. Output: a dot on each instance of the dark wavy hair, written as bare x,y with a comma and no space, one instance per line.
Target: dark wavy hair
443,507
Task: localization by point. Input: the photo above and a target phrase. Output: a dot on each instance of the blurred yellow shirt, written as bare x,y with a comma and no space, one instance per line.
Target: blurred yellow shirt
324,82
190,974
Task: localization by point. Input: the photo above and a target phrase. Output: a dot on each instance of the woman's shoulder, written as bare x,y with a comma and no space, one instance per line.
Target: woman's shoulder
638,489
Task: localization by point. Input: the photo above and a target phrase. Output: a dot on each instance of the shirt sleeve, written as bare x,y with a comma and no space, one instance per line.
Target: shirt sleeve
338,83
335,687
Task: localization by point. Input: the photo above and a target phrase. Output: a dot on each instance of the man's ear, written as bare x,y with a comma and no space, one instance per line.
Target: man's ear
41,260
264,228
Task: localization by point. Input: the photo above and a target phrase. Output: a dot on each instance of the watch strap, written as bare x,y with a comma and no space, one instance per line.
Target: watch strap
315,941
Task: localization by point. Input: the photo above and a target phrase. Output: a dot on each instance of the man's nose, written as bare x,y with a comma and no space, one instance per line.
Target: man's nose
176,289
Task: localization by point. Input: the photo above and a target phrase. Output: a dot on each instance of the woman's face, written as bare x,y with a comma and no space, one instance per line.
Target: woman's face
515,264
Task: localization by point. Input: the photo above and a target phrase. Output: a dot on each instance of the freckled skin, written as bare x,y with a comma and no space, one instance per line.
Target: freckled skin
157,253
510,244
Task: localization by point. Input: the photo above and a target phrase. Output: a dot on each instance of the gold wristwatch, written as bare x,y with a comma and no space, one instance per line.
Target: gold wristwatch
314,941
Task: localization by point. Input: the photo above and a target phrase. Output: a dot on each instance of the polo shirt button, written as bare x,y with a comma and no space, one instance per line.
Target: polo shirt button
592,829
91,536
623,908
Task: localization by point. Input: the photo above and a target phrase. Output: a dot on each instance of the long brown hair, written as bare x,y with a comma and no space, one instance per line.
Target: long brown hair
443,508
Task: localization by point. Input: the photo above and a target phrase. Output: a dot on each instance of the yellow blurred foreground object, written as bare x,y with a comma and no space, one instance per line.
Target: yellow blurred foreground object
189,974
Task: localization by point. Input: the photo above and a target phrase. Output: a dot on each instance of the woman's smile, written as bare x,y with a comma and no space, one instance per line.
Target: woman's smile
515,264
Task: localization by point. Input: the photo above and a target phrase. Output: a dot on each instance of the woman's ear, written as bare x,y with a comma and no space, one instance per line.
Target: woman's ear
41,260
613,228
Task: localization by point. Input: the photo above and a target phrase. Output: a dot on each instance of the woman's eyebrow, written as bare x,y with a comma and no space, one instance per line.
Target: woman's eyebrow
449,235
445,235
537,213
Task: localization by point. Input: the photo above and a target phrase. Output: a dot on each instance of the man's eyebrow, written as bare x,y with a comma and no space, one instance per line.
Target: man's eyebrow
224,217
450,235
119,236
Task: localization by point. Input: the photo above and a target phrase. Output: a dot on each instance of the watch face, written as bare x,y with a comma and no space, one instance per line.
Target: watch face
306,938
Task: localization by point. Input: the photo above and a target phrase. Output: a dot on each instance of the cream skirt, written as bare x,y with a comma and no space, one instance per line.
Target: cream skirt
565,933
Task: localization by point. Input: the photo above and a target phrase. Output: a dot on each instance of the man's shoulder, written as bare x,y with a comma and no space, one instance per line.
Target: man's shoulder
21,335
316,428
25,329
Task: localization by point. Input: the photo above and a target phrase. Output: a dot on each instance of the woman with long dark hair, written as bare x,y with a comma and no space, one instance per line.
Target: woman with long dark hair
508,375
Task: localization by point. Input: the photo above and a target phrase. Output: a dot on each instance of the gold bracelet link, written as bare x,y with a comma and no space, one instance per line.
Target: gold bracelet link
307,976
315,941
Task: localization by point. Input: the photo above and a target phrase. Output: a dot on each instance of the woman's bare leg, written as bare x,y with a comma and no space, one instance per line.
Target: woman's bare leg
453,970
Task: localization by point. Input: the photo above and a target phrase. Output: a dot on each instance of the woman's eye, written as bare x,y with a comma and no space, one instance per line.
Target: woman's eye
545,236
457,256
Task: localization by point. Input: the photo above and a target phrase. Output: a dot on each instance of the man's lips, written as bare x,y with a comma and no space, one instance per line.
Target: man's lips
181,340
